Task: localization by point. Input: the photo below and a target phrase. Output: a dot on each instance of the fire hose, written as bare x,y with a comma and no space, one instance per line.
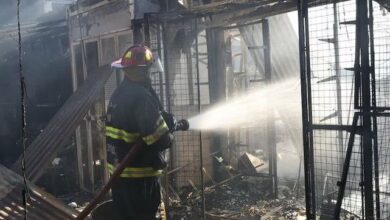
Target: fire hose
181,125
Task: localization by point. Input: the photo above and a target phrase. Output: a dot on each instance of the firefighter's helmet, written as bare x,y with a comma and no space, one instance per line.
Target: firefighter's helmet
137,55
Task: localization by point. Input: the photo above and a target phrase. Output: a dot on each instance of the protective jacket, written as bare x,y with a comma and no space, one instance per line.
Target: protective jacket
135,113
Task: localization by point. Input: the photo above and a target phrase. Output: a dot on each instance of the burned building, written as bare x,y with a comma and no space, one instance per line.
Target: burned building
46,61
189,84
271,94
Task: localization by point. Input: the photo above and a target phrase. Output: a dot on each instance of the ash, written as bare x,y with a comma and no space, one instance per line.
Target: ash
247,198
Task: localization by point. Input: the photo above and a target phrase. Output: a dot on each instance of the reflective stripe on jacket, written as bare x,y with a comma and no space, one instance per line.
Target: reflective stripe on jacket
119,134
135,172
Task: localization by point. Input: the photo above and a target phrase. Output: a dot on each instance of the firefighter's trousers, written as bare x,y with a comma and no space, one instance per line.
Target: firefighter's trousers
136,198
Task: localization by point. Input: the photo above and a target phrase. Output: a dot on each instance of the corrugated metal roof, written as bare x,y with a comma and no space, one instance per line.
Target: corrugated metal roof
61,127
41,205
40,153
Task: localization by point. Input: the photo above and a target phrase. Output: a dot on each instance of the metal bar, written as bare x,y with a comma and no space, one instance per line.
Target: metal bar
381,114
243,24
160,74
168,95
190,78
331,127
342,183
164,104
362,18
304,56
147,29
200,134
271,118
338,84
361,183
375,123
167,85
357,67
309,106
90,160
79,158
297,183
202,83
380,108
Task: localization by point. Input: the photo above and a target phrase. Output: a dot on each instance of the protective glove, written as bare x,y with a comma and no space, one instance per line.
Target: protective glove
159,162
170,120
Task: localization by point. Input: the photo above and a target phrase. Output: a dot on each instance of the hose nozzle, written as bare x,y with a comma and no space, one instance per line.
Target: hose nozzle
182,125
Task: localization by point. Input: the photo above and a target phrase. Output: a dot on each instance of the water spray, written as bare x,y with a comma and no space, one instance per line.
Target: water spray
252,108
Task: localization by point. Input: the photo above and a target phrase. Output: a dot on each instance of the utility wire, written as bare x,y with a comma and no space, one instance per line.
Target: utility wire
25,191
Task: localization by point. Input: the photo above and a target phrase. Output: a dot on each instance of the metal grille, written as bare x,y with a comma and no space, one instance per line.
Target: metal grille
382,55
332,100
331,82
177,88
245,70
331,109
184,104
381,40
384,165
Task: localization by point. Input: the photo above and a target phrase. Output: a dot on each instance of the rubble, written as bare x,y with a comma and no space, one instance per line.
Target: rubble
244,197
250,163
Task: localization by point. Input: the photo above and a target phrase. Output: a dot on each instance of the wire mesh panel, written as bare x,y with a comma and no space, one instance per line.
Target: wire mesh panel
332,81
382,55
178,88
381,40
332,54
184,104
334,99
327,174
231,63
384,165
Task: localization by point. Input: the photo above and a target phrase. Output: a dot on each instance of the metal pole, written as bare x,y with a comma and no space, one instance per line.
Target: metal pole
363,22
304,57
146,29
271,119
190,77
375,123
166,70
346,166
199,108
338,84
168,100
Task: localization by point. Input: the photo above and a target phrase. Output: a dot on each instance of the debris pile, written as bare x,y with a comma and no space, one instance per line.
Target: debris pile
77,200
278,209
241,198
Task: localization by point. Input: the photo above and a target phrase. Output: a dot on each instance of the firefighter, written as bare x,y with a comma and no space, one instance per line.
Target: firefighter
135,114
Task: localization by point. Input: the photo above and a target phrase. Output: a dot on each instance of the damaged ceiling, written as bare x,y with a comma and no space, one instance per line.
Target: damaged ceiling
228,12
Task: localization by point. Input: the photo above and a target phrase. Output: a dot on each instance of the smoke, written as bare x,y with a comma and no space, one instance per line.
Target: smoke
251,108
31,11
